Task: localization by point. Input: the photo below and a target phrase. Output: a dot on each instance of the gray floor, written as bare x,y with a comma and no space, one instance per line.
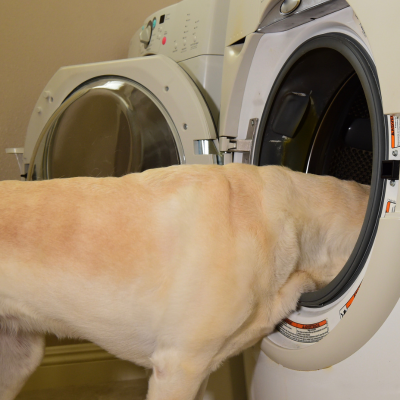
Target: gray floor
132,390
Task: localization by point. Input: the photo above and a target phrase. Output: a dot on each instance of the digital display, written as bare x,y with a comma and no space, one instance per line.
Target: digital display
162,18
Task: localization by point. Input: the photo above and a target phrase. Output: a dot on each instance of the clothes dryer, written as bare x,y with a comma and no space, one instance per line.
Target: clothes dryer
157,108
313,85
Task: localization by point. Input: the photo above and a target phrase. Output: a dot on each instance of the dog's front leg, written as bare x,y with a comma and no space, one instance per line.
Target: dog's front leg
177,376
286,301
20,354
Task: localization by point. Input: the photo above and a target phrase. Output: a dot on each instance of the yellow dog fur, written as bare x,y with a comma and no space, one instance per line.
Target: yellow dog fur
175,269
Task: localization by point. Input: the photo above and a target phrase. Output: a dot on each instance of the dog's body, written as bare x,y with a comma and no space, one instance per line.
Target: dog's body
175,269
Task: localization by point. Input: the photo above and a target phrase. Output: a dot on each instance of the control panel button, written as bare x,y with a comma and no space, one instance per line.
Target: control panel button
164,40
154,22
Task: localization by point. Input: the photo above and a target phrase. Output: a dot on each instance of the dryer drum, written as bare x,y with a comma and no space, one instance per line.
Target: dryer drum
324,116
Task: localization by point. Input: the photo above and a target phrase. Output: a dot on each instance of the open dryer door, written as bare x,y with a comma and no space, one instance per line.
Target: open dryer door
114,118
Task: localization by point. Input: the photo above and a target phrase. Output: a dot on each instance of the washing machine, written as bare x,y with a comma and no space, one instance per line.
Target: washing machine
314,85
158,107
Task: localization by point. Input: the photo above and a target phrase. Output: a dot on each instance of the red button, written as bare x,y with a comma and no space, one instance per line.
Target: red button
164,40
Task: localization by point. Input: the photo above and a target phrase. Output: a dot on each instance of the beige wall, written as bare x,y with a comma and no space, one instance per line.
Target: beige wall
39,36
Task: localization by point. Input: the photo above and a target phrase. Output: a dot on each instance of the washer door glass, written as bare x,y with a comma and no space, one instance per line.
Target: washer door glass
109,126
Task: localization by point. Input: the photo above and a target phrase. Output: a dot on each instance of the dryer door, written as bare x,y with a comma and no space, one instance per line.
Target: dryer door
110,119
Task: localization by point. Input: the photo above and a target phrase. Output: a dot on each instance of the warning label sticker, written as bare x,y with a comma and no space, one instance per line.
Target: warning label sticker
394,129
303,333
390,206
344,309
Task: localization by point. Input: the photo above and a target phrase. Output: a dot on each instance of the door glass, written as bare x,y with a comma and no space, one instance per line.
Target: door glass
107,127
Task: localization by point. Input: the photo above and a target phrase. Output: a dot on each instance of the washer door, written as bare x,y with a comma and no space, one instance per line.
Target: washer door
129,120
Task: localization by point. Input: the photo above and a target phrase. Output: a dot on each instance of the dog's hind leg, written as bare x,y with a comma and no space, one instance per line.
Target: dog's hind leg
20,354
177,376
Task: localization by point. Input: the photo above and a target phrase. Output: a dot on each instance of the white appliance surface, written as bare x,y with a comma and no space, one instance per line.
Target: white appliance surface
188,29
192,33
371,372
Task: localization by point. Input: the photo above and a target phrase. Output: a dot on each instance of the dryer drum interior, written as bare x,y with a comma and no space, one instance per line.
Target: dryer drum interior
324,116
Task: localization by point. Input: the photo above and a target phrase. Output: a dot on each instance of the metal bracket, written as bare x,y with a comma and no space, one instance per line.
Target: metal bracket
208,147
19,154
205,147
230,145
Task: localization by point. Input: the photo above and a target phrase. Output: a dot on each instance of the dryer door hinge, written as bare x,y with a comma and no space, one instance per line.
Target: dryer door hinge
230,145
245,146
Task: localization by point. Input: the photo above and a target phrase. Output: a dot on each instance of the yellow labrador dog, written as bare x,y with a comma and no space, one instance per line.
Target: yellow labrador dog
175,269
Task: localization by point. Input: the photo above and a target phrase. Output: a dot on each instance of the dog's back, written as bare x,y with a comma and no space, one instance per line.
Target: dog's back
177,266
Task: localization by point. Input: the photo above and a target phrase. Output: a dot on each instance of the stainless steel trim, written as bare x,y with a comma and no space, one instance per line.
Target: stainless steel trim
208,147
205,147
308,10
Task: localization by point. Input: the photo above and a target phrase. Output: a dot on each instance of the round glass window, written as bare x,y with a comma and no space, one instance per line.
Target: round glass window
109,126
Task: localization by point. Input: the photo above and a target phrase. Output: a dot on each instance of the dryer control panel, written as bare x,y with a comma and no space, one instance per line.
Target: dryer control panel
184,30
